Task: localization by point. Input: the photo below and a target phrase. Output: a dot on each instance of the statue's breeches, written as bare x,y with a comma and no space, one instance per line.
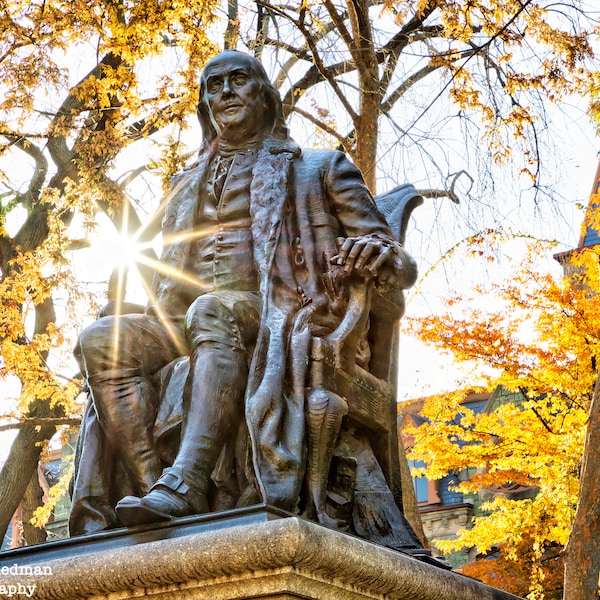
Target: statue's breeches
140,344
227,317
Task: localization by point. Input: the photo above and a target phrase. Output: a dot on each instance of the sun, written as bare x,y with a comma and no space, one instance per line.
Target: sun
112,248
122,250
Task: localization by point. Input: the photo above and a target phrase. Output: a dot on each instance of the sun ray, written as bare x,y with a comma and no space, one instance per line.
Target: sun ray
170,329
129,252
164,269
118,297
159,212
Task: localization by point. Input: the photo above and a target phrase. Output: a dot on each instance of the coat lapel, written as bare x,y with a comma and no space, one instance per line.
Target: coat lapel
271,405
268,195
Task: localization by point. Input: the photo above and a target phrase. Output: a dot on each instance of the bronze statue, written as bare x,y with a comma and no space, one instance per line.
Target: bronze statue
260,370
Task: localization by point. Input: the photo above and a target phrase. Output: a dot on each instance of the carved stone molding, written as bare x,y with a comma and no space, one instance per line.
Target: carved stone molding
280,559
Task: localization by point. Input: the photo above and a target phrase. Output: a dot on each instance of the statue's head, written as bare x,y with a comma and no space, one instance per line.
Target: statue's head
237,99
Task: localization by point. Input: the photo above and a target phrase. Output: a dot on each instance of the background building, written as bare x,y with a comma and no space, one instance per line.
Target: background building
444,511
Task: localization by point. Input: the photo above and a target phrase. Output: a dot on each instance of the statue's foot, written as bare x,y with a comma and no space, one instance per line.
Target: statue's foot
160,504
91,515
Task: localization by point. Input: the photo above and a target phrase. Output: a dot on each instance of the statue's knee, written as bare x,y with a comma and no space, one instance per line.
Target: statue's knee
96,345
209,319
208,305
92,337
205,311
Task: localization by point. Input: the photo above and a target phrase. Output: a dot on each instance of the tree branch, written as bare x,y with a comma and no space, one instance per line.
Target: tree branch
151,124
41,168
57,141
341,139
324,71
341,28
28,422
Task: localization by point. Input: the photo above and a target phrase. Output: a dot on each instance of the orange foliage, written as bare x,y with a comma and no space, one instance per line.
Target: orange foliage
512,576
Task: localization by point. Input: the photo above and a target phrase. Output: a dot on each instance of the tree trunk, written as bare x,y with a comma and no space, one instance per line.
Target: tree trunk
32,499
232,32
18,469
367,123
582,554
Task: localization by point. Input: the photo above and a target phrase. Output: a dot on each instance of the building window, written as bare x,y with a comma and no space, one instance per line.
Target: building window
421,484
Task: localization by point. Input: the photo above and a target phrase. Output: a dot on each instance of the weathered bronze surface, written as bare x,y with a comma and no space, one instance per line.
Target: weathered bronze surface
261,371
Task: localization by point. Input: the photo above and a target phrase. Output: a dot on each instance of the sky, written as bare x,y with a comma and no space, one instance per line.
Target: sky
425,371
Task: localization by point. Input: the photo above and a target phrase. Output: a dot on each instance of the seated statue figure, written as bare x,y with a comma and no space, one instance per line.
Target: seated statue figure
258,371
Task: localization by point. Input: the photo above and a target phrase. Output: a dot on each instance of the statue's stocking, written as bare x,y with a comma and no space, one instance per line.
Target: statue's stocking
212,411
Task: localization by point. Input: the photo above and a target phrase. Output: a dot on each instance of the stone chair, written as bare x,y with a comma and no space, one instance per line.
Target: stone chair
362,392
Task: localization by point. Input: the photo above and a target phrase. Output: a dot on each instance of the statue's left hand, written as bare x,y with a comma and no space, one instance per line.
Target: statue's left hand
363,255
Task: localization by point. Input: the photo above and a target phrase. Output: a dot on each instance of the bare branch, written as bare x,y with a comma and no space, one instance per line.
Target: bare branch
439,193
324,73
131,175
449,192
27,423
312,77
341,28
341,139
41,168
416,77
298,53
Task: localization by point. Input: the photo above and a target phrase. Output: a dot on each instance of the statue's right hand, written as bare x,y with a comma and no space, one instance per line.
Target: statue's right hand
120,308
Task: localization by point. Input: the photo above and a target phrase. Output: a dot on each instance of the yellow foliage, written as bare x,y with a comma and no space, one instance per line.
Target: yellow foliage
540,340
73,131
58,491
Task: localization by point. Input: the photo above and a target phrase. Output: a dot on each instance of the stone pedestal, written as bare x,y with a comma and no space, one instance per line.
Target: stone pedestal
252,555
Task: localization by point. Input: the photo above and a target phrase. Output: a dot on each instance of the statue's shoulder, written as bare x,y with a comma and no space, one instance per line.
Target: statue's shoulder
322,159
321,154
328,163
188,179
189,172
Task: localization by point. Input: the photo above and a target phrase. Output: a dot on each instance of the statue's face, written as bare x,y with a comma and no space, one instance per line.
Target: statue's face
235,97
